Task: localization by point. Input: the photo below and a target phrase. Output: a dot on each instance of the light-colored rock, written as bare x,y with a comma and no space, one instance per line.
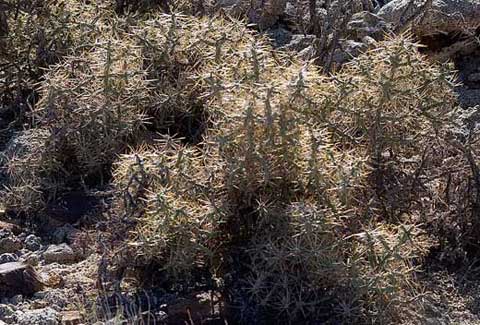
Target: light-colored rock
365,23
32,259
72,317
44,316
10,226
62,254
443,16
299,42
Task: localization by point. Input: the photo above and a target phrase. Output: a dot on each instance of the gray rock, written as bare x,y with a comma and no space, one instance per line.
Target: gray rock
299,42
263,13
33,243
65,234
468,97
365,23
44,316
55,298
348,49
9,243
62,254
15,300
279,36
444,16
7,258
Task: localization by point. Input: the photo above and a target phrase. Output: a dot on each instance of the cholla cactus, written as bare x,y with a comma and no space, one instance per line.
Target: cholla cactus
25,165
93,104
302,191
290,166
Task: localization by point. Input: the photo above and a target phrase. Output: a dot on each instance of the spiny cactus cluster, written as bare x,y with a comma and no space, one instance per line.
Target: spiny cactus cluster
299,194
319,181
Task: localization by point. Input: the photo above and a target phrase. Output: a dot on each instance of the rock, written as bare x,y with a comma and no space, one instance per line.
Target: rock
71,317
17,299
65,234
263,13
468,97
32,243
31,259
44,316
198,306
54,280
280,36
7,258
6,312
348,49
62,254
18,278
299,42
367,24
55,298
11,227
444,16
9,243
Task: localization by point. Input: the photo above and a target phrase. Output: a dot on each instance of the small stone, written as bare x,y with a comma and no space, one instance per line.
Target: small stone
9,243
33,243
300,42
72,317
10,227
7,258
17,299
31,259
62,254
54,280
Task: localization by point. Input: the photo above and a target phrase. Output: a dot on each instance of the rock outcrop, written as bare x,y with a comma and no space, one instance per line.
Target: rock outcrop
430,17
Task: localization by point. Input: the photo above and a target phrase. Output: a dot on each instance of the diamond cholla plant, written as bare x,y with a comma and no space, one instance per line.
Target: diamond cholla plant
301,169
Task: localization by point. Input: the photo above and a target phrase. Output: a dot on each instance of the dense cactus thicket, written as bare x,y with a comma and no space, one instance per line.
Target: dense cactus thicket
298,195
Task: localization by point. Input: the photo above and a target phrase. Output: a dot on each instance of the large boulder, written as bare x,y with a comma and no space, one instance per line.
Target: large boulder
18,278
431,17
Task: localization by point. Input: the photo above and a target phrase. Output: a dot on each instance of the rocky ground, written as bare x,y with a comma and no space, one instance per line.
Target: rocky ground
51,277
